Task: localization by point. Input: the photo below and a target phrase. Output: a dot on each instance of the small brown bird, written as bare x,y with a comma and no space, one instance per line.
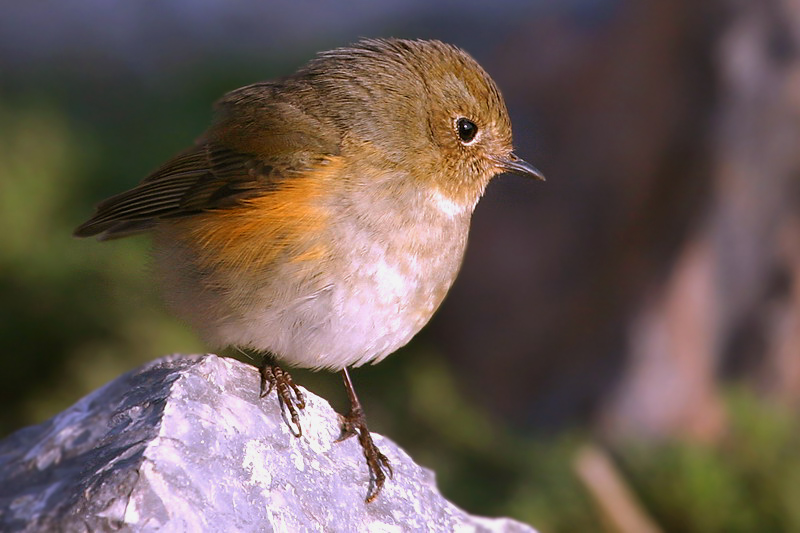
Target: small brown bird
323,217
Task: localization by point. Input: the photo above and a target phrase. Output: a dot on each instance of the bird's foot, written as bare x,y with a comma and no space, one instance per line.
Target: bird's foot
290,397
355,423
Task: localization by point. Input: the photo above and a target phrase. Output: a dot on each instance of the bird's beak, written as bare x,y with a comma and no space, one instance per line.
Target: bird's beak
515,165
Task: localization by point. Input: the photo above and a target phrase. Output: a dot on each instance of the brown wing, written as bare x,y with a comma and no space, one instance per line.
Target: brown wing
254,144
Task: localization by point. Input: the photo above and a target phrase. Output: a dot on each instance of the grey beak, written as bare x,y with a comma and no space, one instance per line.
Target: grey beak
515,165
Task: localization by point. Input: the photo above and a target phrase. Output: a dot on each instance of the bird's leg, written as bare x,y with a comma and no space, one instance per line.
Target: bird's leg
355,423
290,397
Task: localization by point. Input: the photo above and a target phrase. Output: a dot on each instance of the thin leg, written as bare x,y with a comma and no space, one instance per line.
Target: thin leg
273,376
355,423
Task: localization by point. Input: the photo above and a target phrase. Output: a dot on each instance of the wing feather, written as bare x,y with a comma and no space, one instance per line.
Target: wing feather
231,163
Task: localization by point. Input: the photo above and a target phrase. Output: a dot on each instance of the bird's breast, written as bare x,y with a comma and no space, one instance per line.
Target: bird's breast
326,281
396,263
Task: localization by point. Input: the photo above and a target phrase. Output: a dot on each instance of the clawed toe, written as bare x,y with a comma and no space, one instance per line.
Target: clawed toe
290,397
355,423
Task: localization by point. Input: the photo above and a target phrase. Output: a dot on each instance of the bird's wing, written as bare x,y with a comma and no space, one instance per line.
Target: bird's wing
246,153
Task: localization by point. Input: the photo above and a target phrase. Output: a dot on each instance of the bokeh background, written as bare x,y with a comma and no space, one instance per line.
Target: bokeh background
622,349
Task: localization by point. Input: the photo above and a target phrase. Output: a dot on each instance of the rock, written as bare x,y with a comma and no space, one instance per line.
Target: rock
186,444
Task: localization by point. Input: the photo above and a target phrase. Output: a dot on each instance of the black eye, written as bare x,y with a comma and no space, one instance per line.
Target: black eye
467,130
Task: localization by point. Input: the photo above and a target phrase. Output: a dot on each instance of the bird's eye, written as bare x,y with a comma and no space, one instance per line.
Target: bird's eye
467,130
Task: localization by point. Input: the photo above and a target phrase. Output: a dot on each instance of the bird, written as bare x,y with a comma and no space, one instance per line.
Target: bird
322,217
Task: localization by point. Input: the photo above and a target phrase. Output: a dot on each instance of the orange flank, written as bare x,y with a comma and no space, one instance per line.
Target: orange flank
288,220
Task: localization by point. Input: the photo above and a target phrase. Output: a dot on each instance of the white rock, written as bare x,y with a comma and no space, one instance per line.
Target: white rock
186,444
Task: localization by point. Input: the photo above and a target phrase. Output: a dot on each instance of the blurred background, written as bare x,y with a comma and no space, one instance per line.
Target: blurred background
622,349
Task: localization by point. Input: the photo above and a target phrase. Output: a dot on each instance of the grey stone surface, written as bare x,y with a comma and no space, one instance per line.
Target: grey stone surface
185,444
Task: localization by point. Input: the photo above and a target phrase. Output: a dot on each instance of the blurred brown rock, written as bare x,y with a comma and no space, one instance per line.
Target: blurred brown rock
655,259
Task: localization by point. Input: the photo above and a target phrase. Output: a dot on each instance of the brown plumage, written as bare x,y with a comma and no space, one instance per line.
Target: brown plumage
323,217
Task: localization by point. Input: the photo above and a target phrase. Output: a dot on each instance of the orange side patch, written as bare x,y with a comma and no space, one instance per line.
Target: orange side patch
286,221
